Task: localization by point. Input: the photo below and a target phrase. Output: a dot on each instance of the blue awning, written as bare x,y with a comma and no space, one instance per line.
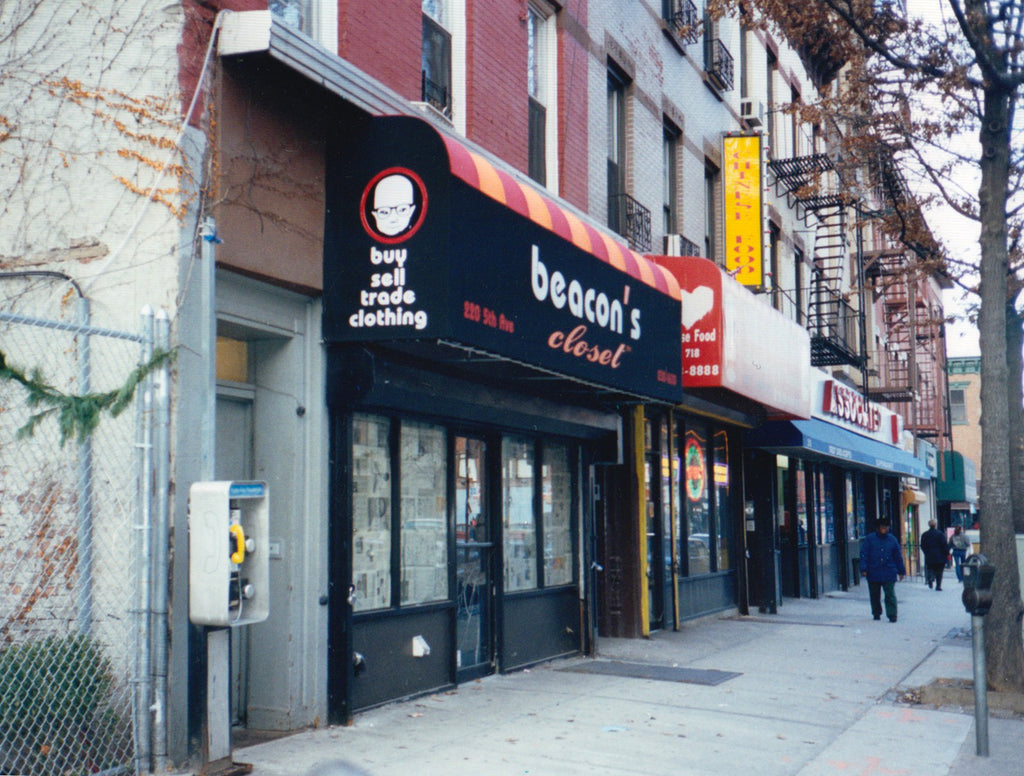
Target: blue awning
816,438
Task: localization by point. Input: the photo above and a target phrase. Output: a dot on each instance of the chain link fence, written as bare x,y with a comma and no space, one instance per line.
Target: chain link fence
72,591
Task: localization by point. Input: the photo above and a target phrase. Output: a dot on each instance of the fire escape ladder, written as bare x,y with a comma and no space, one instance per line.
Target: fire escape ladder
833,322
897,362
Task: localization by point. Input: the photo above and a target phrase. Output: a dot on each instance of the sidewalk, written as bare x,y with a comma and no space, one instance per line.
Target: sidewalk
812,691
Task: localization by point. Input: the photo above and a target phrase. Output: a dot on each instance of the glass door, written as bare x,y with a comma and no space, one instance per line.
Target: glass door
474,549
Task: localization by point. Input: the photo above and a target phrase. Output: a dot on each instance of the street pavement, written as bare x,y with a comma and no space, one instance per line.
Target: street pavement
818,689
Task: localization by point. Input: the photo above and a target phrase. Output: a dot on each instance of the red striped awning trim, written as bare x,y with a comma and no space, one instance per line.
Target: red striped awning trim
524,199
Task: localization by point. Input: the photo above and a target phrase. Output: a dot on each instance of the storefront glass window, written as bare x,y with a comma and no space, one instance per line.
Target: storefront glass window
520,529
424,510
826,508
666,494
557,523
723,502
800,476
371,512
851,515
698,510
861,507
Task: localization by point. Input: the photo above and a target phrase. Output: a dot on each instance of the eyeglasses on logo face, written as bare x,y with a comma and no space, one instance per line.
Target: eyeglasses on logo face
386,212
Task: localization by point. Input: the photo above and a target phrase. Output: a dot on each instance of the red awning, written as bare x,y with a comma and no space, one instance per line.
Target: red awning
478,172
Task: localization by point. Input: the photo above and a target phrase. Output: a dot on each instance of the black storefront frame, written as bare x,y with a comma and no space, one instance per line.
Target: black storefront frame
688,595
804,571
517,645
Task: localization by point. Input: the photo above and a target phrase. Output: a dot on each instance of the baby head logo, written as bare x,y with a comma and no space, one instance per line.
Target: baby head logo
393,205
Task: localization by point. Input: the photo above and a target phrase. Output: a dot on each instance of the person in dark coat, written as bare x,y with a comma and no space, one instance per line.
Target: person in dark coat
936,551
881,562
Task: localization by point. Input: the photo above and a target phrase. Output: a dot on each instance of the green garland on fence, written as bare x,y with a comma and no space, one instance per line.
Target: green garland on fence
77,416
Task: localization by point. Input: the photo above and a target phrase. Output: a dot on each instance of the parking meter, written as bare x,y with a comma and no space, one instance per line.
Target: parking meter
978,576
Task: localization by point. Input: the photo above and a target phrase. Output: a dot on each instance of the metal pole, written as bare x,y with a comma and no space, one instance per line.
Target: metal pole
85,501
980,686
208,347
144,443
161,545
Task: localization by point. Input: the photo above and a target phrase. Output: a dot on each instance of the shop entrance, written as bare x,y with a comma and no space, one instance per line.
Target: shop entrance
474,560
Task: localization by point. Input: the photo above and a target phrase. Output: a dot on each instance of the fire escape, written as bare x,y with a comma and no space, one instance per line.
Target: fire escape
834,324
910,364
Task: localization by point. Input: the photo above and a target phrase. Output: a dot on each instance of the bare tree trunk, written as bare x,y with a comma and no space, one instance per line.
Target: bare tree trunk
1004,649
1015,405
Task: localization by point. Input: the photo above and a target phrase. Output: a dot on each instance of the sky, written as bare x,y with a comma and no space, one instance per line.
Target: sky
959,234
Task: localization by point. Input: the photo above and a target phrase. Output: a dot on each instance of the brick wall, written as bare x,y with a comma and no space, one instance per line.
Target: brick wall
384,38
496,88
573,105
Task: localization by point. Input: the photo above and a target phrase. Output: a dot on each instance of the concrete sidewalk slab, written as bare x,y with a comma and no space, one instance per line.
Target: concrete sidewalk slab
818,689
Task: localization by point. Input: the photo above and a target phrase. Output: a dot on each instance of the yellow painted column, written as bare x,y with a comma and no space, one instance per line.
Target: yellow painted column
641,511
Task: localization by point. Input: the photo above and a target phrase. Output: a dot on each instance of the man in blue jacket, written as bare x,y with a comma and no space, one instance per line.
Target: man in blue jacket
881,561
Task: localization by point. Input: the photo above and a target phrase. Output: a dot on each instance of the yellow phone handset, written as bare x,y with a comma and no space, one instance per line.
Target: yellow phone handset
238,534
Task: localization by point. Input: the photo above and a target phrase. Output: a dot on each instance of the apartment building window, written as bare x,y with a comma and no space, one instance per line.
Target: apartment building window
958,406
437,56
541,81
744,59
774,238
796,100
617,83
772,71
798,285
712,187
294,13
670,184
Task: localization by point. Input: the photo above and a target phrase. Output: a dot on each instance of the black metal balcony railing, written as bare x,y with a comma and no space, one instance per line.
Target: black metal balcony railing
718,64
682,20
688,247
437,95
834,326
632,220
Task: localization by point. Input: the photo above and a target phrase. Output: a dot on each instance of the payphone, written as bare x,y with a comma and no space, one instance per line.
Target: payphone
229,581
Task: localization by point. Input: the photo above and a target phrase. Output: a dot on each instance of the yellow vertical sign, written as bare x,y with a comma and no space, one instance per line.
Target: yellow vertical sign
744,246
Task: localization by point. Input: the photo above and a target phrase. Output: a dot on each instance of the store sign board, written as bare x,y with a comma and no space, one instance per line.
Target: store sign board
744,240
731,339
412,252
847,407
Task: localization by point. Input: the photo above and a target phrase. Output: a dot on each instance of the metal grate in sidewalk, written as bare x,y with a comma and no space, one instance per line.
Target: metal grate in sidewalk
710,677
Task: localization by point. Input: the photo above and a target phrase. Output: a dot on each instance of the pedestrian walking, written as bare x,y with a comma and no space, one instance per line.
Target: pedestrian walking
959,544
936,551
881,562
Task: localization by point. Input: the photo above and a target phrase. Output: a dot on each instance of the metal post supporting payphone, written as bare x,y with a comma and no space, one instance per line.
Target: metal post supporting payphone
229,587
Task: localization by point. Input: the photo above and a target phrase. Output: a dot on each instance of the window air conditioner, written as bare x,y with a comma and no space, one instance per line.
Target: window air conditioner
673,245
752,112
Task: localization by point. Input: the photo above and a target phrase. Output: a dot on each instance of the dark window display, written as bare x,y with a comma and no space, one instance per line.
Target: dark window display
371,512
401,475
723,500
424,509
698,501
520,527
826,508
800,475
557,515
851,517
